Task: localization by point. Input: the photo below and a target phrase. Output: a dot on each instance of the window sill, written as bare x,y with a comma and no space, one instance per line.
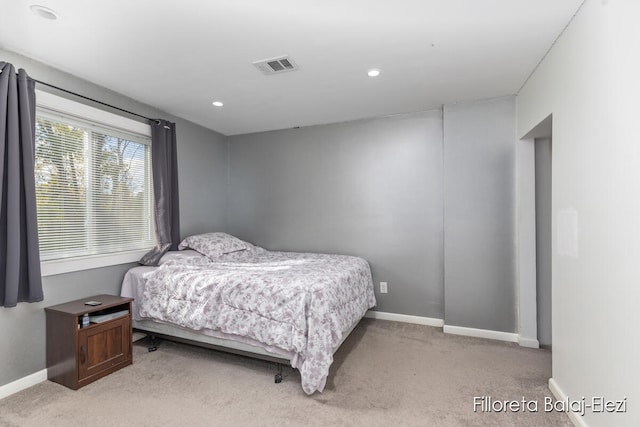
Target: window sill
51,268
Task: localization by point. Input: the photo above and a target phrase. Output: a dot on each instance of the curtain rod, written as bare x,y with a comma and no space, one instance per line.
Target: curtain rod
95,100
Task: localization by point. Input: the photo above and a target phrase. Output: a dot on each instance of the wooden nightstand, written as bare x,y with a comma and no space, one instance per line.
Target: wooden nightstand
77,356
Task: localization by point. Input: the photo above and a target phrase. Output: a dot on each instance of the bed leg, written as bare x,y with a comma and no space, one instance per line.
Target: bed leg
278,378
153,345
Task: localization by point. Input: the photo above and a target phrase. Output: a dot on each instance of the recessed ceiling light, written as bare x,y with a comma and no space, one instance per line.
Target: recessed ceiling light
217,103
44,12
373,73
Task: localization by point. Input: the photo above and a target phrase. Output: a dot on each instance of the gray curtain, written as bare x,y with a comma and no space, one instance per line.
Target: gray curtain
164,162
20,278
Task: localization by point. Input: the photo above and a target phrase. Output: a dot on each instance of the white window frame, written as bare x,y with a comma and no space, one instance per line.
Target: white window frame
87,113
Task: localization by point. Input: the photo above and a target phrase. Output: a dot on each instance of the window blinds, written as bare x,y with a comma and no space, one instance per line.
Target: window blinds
93,188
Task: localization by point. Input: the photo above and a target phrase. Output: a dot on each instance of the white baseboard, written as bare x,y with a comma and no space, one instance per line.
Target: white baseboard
480,333
557,392
406,318
22,383
455,330
528,342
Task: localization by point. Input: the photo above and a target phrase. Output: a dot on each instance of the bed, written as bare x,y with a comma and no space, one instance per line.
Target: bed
222,292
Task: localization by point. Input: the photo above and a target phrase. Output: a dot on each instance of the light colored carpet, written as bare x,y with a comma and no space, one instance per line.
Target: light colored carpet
386,373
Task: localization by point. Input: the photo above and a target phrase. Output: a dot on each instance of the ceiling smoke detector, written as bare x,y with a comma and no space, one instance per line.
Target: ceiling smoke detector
280,64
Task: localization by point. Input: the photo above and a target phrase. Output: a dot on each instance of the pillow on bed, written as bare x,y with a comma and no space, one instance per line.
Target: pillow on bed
183,257
213,245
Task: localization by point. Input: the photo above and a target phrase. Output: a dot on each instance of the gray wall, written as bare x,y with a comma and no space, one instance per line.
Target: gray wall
202,167
479,214
368,188
544,247
441,233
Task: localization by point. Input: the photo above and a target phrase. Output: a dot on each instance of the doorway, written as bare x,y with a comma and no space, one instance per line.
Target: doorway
543,158
534,248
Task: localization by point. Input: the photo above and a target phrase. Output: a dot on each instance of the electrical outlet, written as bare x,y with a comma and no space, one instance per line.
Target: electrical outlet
383,287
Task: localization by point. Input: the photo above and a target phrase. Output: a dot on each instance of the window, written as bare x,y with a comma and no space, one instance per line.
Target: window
93,185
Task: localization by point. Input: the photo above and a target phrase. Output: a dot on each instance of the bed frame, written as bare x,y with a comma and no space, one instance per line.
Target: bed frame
155,330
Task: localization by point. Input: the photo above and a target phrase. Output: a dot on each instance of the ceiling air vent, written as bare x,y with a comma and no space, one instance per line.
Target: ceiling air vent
280,64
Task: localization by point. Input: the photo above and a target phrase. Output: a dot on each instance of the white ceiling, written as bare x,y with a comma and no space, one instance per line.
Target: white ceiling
179,56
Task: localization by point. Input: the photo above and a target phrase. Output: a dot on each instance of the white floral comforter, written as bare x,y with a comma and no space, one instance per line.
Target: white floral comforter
297,302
